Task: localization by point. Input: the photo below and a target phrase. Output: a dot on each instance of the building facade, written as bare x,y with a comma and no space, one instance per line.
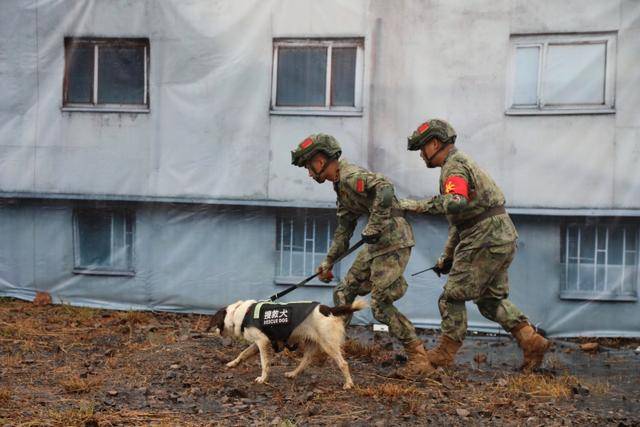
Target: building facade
145,145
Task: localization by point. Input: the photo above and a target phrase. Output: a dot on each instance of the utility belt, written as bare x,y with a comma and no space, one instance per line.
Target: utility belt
466,224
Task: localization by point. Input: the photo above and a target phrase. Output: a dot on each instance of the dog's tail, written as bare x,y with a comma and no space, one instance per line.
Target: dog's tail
343,310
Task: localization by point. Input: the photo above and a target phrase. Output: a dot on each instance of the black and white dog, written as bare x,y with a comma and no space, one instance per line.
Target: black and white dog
316,327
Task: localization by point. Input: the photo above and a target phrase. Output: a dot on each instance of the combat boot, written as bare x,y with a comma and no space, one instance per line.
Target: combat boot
533,345
418,364
444,353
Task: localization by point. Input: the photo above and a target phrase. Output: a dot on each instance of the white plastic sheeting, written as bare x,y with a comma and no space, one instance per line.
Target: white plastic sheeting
178,202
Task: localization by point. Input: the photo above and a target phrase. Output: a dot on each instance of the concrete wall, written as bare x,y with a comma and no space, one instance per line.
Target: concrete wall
209,133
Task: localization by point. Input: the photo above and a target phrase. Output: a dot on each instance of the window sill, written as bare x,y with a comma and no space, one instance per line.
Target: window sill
557,111
103,272
310,112
289,281
590,296
107,109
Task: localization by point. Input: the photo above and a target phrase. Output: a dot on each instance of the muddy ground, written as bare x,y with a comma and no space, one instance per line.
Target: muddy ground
62,365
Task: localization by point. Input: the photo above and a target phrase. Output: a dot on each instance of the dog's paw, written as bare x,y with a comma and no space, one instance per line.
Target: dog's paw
261,380
347,386
232,364
290,374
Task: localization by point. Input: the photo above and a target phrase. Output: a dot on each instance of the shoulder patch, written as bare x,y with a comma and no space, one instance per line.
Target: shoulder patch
456,185
360,185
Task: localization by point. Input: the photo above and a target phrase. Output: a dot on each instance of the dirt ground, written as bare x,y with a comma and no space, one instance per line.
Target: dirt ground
63,365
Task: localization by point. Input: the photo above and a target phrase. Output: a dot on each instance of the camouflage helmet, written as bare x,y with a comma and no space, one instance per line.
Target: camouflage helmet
313,144
434,128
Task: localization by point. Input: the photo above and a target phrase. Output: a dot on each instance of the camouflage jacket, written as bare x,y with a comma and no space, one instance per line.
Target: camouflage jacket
466,191
361,192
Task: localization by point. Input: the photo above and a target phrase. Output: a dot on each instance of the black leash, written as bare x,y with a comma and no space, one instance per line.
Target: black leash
308,279
423,271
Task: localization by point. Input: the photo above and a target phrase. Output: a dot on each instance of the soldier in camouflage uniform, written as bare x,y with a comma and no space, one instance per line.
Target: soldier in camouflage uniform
379,265
479,249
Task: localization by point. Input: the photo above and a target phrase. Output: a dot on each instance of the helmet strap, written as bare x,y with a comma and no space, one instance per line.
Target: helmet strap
317,174
429,159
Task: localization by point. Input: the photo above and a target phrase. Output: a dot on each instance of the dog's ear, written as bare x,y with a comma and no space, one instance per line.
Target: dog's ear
217,320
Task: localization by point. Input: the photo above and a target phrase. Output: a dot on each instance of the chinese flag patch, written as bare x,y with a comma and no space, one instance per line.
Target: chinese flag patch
423,127
360,185
456,185
307,142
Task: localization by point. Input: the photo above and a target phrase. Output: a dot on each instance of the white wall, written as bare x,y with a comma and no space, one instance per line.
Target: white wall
210,134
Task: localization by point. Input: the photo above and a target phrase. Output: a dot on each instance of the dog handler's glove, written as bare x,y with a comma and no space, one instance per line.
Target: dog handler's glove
325,274
443,266
409,205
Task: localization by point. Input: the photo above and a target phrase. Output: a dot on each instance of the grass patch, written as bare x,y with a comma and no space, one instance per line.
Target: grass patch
542,385
79,385
389,391
355,348
74,416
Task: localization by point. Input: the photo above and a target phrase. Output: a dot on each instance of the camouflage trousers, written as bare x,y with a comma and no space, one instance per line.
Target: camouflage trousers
382,277
479,275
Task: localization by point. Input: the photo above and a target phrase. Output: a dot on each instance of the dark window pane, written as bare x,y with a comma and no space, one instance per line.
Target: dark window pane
615,245
105,240
309,242
572,277
321,235
573,241
298,234
602,237
343,76
302,74
631,238
80,77
94,234
587,244
121,75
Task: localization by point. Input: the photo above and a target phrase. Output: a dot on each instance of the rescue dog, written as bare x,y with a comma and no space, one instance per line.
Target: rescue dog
320,329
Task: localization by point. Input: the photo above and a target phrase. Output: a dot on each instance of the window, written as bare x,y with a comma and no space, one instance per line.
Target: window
562,74
302,242
103,241
600,260
313,76
106,75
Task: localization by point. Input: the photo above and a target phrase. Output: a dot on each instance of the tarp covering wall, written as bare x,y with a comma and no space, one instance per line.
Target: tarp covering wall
187,191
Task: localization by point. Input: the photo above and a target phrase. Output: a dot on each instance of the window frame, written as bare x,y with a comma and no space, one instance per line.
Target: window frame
305,215
327,109
96,43
543,41
78,268
596,295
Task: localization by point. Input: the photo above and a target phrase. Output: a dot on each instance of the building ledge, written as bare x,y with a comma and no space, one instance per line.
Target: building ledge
312,204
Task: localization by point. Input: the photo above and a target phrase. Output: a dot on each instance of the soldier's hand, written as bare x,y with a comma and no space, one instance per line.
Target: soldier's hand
409,205
325,274
443,266
371,237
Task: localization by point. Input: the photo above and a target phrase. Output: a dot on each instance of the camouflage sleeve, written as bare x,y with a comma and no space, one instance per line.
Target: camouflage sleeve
382,194
347,222
452,241
455,182
454,198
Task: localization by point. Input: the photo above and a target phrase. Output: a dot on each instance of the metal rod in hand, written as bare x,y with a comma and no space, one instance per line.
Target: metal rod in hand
423,271
308,279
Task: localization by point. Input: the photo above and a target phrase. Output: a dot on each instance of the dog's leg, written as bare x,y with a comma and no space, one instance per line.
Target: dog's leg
265,350
248,352
334,351
309,350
